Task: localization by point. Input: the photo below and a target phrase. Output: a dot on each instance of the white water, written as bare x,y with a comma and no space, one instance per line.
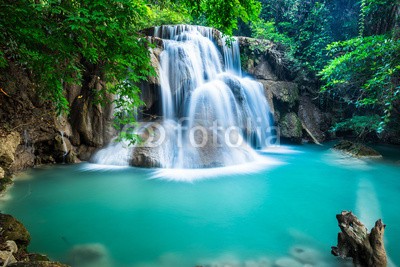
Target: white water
211,115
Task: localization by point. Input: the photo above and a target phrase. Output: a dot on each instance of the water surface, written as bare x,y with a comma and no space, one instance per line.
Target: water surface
276,211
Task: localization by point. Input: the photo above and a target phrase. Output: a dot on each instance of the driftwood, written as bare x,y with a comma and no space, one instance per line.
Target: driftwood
366,249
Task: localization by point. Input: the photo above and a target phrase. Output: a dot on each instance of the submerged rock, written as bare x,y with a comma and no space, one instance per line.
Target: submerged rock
287,262
89,255
356,149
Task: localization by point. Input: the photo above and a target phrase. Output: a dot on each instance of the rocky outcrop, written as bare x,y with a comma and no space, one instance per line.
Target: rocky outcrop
317,122
44,137
290,127
356,149
14,240
265,60
14,230
8,146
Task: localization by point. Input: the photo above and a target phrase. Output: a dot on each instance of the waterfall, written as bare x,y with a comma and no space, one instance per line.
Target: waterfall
212,116
65,149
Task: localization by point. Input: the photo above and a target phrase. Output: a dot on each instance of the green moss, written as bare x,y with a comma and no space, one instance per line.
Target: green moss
4,183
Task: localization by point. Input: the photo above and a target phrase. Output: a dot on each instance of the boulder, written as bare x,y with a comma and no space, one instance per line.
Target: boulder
356,149
8,146
312,118
12,229
203,149
261,70
89,255
24,158
290,127
285,93
7,256
155,147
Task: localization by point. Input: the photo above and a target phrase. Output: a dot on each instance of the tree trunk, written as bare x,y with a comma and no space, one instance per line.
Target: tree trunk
367,250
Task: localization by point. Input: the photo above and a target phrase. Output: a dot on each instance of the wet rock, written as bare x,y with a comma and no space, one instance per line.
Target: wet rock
24,158
312,118
12,246
356,149
306,255
37,264
12,229
290,127
7,256
261,70
4,183
155,147
287,262
8,146
204,149
89,255
285,92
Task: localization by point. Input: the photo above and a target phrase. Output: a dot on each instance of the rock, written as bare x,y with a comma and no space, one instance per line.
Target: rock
287,262
287,93
37,264
356,149
7,256
86,255
2,173
306,255
204,149
256,52
12,246
4,183
290,127
155,148
312,118
262,70
37,257
14,230
8,146
24,158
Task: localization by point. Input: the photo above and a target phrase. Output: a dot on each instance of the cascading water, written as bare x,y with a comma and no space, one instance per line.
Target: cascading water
211,115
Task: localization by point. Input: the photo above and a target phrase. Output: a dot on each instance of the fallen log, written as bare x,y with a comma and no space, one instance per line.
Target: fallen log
366,249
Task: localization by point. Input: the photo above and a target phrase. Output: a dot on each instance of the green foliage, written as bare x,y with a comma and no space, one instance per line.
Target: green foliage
262,29
64,40
224,15
360,125
365,72
302,26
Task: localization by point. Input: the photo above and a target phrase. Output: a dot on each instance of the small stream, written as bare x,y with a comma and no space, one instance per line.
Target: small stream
279,211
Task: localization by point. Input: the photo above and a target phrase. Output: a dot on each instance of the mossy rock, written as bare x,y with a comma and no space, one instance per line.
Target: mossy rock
4,182
290,127
357,150
37,264
12,229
